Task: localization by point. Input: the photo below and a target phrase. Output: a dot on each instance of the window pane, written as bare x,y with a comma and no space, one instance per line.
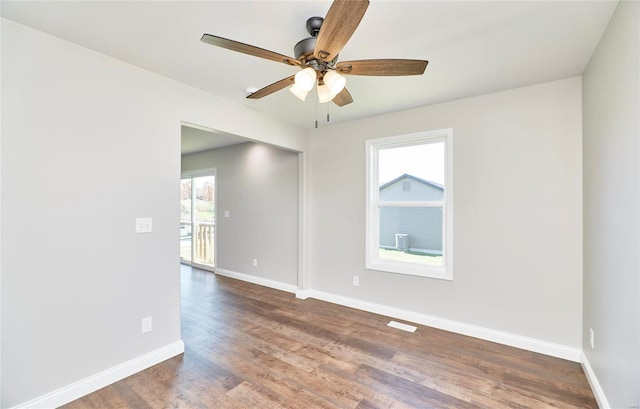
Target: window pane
204,219
425,162
411,234
204,198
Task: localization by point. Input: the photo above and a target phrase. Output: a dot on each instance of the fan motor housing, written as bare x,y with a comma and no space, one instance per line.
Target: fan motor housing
304,48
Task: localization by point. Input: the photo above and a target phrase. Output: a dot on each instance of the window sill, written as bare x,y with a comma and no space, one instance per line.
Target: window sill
417,270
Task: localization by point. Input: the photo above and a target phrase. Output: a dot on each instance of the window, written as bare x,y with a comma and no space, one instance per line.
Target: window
409,219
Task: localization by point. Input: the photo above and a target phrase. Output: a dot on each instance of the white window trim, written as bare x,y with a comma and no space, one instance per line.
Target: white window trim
373,262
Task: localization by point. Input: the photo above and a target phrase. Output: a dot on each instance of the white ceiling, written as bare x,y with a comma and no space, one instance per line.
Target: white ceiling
473,47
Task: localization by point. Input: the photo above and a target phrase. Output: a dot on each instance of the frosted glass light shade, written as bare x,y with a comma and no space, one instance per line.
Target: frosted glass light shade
305,79
298,92
335,82
324,95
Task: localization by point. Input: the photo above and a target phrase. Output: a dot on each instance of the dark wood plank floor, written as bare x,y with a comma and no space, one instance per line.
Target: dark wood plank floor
252,347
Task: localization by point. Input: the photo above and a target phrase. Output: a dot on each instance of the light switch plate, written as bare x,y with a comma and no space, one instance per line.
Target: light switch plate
144,225
147,325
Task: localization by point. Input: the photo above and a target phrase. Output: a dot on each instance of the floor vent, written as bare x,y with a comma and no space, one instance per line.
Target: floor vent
404,327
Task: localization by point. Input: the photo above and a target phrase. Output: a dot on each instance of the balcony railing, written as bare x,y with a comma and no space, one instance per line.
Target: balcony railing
203,236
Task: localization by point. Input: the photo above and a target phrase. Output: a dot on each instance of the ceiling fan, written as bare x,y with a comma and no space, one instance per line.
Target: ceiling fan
317,56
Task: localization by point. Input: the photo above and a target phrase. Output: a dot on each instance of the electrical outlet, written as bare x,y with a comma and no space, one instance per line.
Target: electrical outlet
356,281
147,324
255,262
592,338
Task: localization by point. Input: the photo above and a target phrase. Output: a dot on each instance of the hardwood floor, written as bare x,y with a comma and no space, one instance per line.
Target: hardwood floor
252,347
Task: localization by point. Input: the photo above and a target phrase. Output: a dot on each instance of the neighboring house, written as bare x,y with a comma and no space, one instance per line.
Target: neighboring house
403,228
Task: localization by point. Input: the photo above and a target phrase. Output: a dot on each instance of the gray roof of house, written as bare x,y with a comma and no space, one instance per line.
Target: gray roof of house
406,175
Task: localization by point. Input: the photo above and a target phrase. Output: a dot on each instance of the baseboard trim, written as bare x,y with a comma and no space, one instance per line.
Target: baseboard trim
278,285
593,382
505,338
303,294
501,337
92,383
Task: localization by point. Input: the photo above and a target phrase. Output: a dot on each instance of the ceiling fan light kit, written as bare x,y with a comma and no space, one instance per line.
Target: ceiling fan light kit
299,92
335,82
324,95
305,79
317,56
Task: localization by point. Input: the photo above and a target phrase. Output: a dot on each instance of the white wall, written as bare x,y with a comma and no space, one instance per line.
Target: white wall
0,205
611,93
88,144
258,185
517,213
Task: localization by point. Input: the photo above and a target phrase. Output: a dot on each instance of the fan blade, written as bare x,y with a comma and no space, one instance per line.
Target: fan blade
382,68
247,49
270,89
338,26
343,98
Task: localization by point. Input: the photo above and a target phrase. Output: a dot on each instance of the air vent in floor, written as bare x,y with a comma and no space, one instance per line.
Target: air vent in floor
404,327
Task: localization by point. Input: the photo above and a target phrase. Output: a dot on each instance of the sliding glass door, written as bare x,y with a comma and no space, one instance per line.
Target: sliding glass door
197,219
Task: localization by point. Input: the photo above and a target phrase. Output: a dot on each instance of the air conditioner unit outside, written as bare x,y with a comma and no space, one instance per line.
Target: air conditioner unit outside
402,241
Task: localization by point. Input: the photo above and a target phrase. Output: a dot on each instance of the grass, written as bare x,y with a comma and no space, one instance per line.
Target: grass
410,257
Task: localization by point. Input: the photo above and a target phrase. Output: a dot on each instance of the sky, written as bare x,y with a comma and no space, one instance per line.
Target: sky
424,161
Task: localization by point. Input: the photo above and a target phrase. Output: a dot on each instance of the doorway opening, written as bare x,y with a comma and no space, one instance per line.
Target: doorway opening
261,190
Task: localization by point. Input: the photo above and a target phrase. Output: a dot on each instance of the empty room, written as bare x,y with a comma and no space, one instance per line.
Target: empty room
320,204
